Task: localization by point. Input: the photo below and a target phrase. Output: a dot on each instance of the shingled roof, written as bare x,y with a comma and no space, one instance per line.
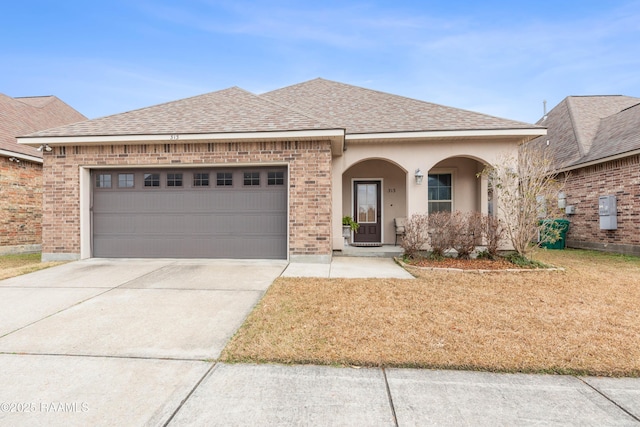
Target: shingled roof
314,105
230,110
361,110
583,129
21,116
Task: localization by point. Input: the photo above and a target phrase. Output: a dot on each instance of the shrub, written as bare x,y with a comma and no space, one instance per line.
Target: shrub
466,231
493,232
416,235
440,235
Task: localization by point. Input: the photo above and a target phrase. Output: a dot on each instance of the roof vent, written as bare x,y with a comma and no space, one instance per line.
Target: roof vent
544,110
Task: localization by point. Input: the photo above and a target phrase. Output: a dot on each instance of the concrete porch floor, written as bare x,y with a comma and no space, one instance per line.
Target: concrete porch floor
384,251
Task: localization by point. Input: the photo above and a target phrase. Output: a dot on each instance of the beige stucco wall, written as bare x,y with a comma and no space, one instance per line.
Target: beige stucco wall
377,159
393,192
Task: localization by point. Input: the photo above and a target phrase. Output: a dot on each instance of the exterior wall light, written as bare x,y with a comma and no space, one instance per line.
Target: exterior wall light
14,159
419,176
44,147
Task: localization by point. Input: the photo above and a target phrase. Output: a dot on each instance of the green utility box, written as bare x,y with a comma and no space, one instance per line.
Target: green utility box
551,226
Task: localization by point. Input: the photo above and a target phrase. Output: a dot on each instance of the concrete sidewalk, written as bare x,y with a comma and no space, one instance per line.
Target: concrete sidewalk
317,395
350,268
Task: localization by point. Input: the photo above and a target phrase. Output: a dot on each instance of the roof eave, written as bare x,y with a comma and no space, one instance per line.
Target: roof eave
598,161
527,133
335,135
21,156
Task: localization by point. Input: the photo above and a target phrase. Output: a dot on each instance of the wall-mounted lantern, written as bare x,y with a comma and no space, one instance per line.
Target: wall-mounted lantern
419,176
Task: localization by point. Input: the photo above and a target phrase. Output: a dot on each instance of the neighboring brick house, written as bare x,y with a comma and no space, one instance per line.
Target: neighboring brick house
595,142
21,168
231,174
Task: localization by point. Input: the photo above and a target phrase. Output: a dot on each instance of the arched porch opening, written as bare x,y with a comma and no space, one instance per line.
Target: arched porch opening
374,192
457,183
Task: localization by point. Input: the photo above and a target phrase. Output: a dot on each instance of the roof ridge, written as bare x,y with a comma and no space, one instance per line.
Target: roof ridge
574,126
628,108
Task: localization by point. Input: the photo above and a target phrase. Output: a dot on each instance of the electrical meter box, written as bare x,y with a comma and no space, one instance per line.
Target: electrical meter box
608,212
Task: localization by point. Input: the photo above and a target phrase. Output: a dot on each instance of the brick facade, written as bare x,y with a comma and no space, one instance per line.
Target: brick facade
617,177
20,205
309,184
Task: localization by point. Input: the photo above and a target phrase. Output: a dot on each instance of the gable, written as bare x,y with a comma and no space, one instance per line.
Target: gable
586,128
21,116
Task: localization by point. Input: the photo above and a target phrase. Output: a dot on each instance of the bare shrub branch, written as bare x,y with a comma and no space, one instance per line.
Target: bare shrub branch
466,232
493,232
416,236
527,192
440,236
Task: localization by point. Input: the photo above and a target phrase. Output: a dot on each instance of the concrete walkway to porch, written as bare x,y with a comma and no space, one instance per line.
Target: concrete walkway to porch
352,267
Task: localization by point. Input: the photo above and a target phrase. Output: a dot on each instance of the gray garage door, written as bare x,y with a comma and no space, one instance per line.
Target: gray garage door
190,213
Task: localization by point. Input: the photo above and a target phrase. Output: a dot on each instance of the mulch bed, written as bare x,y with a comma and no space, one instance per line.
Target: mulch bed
464,264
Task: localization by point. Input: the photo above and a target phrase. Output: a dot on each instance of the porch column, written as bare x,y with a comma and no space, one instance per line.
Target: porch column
484,194
337,241
417,200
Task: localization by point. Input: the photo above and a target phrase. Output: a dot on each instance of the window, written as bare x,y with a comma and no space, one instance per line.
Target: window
252,178
275,178
440,199
224,179
152,180
200,179
174,180
103,180
125,180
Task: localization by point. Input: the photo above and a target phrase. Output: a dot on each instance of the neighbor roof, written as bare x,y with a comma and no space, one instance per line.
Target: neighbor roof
314,105
583,129
364,111
21,116
226,111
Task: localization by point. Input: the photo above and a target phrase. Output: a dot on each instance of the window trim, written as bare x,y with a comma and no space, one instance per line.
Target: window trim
444,171
276,178
144,183
172,182
199,180
101,187
133,181
231,185
244,182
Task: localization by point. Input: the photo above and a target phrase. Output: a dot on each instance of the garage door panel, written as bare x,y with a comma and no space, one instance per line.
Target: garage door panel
239,222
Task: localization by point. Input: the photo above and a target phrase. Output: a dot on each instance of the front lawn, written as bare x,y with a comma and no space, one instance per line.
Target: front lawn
585,320
15,265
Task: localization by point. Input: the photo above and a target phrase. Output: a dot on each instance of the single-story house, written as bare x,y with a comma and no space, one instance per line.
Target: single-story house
231,174
595,143
21,168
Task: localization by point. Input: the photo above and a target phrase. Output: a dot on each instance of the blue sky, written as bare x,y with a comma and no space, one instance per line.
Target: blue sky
496,57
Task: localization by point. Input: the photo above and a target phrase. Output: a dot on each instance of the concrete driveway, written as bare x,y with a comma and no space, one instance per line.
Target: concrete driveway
134,342
119,342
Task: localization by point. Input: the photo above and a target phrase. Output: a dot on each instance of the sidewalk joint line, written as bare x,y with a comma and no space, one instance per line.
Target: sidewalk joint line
206,374
105,356
393,409
601,393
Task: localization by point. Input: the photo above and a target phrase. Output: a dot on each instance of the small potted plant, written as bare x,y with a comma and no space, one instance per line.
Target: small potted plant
348,224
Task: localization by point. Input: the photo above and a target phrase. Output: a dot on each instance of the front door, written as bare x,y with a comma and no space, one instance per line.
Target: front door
367,211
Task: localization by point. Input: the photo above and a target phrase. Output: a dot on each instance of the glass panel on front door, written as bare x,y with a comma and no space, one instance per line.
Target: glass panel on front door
367,203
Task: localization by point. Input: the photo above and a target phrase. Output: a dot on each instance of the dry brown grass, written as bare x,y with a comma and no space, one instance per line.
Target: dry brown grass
585,320
16,265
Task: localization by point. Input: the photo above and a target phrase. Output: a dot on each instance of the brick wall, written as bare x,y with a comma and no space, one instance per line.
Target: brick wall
20,203
620,178
309,179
